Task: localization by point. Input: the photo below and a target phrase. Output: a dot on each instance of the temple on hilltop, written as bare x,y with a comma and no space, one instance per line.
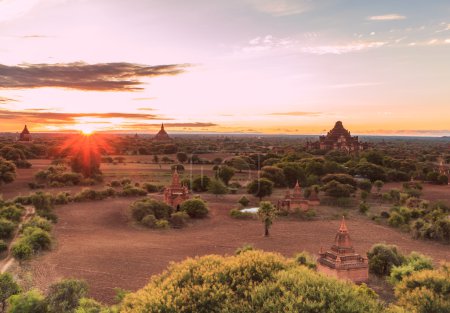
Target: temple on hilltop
176,194
162,135
338,138
295,201
341,261
25,135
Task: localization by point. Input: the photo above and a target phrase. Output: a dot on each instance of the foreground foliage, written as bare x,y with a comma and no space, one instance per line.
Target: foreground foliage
252,281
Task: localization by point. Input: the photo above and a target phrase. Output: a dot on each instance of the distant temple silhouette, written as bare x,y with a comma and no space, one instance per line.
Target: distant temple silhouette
338,138
25,135
162,135
341,260
175,194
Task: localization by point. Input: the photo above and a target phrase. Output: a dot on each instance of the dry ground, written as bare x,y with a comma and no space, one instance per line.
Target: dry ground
96,241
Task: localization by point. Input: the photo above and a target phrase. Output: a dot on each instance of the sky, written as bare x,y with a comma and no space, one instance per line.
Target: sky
254,66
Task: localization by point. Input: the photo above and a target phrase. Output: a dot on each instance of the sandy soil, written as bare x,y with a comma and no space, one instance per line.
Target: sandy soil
97,242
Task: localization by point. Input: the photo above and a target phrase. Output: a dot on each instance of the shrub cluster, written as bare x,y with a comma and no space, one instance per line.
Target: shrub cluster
35,237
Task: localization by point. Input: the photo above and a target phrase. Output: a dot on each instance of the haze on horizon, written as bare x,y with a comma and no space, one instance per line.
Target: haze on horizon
286,66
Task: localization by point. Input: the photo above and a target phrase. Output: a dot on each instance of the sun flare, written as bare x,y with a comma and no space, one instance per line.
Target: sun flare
86,129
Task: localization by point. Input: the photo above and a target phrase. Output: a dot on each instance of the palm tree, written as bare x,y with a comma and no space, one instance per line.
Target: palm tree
267,213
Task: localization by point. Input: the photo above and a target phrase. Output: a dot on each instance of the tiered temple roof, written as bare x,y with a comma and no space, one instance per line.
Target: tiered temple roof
176,193
162,135
338,138
341,260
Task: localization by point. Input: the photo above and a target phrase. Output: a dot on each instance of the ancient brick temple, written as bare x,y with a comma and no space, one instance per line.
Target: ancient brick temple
342,261
175,194
295,201
338,138
162,135
25,134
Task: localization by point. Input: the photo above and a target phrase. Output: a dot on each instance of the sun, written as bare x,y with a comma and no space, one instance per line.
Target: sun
86,129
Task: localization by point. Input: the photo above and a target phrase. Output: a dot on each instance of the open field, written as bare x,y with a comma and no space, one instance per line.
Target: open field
96,241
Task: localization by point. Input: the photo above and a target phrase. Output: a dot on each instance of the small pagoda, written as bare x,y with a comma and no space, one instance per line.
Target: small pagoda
176,193
341,261
294,201
25,135
162,135
338,138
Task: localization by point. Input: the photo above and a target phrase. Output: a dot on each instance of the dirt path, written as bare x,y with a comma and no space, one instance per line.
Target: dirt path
6,263
96,242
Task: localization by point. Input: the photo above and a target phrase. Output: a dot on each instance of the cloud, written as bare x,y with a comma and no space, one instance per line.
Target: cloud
412,132
193,125
386,17
342,49
39,116
144,99
281,7
146,109
93,77
6,100
296,113
354,85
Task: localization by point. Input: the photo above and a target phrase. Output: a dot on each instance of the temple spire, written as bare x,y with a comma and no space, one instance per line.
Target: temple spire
343,228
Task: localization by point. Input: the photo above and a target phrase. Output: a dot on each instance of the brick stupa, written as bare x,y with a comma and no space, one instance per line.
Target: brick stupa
176,194
338,138
341,261
162,135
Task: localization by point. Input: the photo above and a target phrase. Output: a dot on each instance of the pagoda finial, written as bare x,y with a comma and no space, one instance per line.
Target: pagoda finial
162,126
343,228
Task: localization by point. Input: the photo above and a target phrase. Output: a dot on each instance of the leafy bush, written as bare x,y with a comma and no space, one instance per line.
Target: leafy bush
28,302
130,191
178,219
306,259
248,282
414,262
22,250
3,246
162,224
195,208
382,258
149,221
338,190
144,207
6,228
244,201
38,222
150,188
37,238
11,212
64,296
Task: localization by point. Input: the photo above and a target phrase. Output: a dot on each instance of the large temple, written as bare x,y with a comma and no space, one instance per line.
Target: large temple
341,261
176,194
162,135
338,138
25,135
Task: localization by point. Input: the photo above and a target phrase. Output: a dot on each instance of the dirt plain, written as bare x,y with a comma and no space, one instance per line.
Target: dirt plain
98,242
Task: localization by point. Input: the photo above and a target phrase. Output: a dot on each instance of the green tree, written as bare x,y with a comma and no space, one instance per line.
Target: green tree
7,171
182,157
200,184
338,190
426,291
260,188
195,208
64,296
8,287
274,174
414,262
225,173
382,258
267,213
216,187
87,305
378,184
28,302
293,172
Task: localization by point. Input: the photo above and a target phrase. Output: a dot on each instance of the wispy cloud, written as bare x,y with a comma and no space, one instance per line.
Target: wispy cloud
387,17
146,109
354,85
177,125
281,7
6,100
39,116
297,113
82,76
342,49
144,99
